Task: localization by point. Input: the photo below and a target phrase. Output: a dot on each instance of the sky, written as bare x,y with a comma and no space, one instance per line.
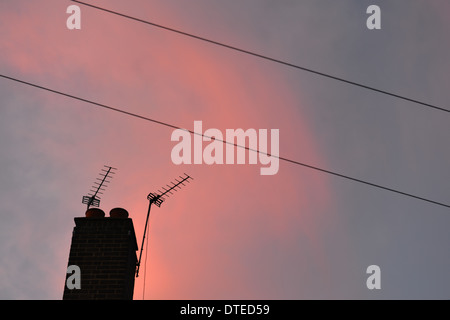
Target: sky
232,233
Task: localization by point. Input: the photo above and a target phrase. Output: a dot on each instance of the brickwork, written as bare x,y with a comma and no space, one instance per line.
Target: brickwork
105,250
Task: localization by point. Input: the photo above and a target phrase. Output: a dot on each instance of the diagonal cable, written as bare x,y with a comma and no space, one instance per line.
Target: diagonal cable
261,56
226,142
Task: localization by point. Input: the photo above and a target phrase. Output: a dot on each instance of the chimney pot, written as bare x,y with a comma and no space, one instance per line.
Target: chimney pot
95,213
118,213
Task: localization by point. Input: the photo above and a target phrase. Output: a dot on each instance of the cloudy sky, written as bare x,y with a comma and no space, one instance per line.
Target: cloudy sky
232,233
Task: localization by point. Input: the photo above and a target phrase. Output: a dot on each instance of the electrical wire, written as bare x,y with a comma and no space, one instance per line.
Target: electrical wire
261,56
227,142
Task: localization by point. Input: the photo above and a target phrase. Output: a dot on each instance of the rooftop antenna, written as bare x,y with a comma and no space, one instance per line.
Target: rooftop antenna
157,199
92,199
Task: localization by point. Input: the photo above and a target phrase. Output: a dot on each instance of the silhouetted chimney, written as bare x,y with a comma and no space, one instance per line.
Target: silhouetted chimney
104,249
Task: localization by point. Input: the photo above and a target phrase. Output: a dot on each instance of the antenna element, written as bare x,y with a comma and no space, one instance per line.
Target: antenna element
92,199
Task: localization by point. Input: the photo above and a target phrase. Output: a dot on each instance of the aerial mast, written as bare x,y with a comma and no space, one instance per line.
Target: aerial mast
158,198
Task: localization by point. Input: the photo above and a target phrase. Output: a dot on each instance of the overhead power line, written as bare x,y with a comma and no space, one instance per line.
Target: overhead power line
223,141
323,74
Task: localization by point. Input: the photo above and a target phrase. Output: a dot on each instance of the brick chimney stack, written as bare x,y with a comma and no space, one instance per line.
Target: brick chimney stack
104,249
